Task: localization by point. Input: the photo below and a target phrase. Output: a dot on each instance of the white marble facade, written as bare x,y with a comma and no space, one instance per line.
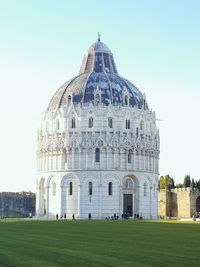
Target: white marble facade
97,158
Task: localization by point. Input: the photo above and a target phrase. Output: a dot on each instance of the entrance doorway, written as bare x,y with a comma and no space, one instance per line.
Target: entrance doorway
128,204
198,204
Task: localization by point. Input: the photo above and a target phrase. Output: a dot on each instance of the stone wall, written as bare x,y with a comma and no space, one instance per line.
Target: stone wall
17,204
178,202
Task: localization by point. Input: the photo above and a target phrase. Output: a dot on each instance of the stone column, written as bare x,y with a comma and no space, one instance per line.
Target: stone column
120,201
86,158
79,202
72,158
79,158
150,202
47,202
100,201
114,158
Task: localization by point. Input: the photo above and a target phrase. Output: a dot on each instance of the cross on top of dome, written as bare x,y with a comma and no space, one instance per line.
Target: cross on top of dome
99,39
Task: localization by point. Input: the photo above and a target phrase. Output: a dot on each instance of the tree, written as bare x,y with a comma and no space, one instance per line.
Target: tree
187,181
192,183
198,184
166,182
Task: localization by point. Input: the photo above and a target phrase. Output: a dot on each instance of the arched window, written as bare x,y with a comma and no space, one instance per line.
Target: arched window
144,104
90,188
128,124
145,189
73,123
126,100
54,189
110,122
110,189
128,183
97,155
129,156
137,132
69,100
70,188
141,125
90,122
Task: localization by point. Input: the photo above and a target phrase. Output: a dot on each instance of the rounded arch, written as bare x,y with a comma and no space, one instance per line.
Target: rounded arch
88,177
131,177
49,180
70,177
147,180
69,194
112,177
128,183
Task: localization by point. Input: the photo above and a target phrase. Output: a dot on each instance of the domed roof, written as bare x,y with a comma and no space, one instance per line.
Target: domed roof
98,80
99,46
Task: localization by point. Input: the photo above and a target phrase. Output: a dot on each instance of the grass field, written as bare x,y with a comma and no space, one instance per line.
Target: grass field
99,243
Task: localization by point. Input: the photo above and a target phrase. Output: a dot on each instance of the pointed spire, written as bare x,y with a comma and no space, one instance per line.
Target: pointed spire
99,37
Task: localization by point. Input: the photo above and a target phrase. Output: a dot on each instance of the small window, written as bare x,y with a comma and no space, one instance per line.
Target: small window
73,123
141,125
54,189
70,188
137,132
90,188
90,122
126,100
69,100
110,122
129,156
110,189
144,104
145,189
128,184
97,155
128,124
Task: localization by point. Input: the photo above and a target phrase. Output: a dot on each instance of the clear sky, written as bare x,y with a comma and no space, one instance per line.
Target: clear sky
156,45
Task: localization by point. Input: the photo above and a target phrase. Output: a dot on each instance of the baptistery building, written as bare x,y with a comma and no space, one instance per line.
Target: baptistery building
97,146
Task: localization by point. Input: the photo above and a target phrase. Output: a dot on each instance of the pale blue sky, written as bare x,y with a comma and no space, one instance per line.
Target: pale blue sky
156,45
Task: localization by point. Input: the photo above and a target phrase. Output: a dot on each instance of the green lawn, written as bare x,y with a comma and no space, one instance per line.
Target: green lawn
99,243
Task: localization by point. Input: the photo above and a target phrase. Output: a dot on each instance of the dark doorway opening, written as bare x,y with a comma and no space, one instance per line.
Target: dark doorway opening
198,204
128,204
